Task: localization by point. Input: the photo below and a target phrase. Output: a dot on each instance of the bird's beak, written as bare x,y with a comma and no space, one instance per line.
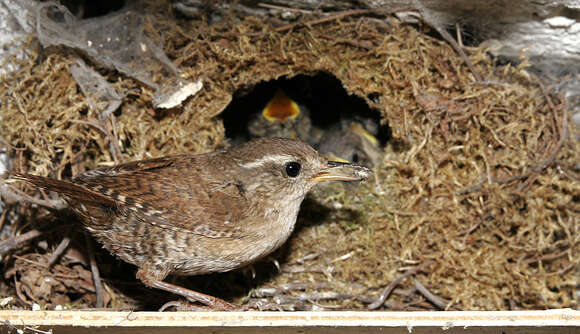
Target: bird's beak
359,130
281,108
340,171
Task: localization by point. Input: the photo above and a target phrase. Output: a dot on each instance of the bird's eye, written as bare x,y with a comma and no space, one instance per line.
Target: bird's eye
355,158
293,169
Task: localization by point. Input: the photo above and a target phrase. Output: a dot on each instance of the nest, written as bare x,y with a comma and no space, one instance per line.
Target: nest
475,204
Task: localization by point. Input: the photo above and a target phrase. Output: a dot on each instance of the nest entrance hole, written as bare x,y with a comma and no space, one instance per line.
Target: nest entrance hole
322,97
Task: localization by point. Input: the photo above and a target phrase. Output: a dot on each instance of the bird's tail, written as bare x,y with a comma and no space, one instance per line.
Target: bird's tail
69,189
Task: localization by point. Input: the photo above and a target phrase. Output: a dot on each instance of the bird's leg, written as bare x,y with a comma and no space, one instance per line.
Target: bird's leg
194,296
153,276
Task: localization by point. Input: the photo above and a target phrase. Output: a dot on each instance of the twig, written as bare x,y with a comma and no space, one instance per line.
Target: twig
458,32
401,213
181,305
320,4
563,131
336,16
426,18
7,143
62,246
112,136
25,328
312,297
551,153
560,272
10,192
389,288
266,305
350,42
296,286
483,179
307,257
547,257
469,230
100,303
297,301
296,10
19,293
92,123
566,173
436,300
32,262
3,217
285,268
71,160
15,242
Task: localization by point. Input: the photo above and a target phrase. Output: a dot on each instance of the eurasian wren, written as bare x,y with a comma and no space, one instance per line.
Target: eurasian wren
199,214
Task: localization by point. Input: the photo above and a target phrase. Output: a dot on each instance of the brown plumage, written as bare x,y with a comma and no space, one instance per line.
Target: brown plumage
198,214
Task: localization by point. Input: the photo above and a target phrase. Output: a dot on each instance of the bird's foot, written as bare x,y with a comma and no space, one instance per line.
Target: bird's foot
212,303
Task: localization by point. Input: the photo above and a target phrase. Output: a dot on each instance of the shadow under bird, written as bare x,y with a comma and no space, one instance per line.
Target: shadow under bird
199,214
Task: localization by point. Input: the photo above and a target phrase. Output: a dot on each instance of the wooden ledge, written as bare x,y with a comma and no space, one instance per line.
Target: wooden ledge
479,322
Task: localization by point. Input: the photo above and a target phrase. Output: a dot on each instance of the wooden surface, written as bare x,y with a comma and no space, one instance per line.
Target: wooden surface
551,321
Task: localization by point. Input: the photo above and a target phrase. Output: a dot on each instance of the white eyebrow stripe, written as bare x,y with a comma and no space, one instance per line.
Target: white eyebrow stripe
267,159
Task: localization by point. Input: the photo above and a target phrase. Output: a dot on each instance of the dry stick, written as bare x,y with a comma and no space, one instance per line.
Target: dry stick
559,272
563,135
548,257
458,32
62,246
336,16
25,328
387,291
112,136
329,295
230,13
71,160
280,291
3,217
100,303
10,192
257,296
482,181
7,143
182,306
29,261
260,304
563,131
19,294
436,300
347,41
425,17
320,4
92,123
567,174
14,242
289,9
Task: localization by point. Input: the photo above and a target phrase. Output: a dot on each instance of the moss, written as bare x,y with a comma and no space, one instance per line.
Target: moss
478,177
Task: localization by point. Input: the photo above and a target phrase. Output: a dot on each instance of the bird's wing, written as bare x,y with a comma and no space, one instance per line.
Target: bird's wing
177,193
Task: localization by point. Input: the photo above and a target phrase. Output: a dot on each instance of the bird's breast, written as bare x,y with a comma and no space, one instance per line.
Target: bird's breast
257,241
280,221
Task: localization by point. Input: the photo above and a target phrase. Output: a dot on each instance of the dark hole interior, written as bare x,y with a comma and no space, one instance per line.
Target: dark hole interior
89,9
322,95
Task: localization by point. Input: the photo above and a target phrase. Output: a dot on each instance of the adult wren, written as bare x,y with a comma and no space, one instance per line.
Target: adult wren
199,214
